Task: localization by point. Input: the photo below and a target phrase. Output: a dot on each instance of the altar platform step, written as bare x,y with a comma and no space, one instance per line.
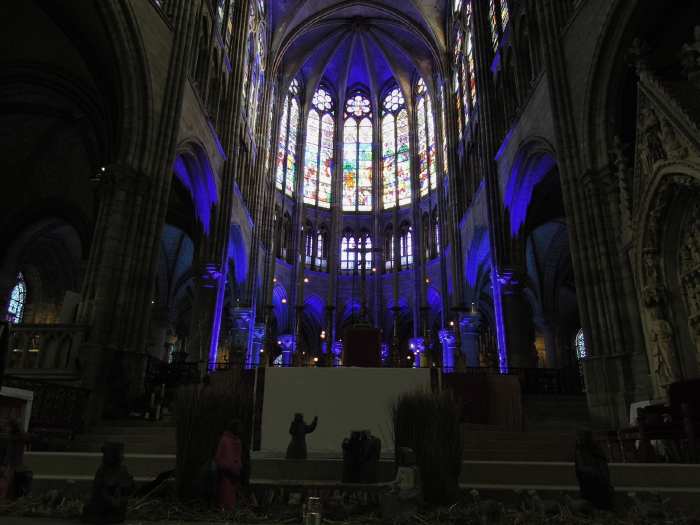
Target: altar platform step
488,444
59,469
558,413
138,436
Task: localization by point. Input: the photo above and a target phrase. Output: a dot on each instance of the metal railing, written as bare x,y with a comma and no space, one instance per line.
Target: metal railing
54,407
44,346
536,381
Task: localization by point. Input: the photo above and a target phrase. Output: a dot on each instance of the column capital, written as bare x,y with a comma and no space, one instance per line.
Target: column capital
208,274
510,280
447,336
470,323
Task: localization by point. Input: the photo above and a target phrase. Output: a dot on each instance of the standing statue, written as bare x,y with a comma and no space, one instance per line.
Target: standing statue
662,351
298,430
111,488
592,471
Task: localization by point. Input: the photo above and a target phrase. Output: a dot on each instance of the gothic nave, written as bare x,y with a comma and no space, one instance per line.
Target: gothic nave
492,187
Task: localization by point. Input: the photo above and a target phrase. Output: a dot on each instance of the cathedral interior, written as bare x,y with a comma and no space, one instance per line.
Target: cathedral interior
498,187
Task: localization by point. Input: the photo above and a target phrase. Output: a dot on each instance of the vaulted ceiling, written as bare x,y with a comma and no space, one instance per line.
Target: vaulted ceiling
351,42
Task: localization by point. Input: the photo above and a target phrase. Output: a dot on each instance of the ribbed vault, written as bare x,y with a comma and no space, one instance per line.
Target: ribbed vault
356,42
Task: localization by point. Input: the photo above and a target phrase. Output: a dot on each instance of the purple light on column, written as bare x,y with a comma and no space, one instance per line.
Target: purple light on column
526,173
416,346
216,326
288,344
500,326
449,344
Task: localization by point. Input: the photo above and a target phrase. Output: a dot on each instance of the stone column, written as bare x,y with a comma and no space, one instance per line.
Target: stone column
241,335
287,343
416,346
449,347
469,324
517,329
256,355
337,351
206,314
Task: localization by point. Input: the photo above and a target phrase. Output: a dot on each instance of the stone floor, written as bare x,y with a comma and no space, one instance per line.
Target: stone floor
9,520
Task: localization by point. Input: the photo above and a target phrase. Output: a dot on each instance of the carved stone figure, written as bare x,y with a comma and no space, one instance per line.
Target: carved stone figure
674,149
592,471
690,57
663,359
110,489
652,147
298,430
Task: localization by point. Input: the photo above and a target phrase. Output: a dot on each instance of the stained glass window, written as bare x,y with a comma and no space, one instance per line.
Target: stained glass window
445,161
396,163
505,14
427,167
493,23
457,5
366,254
407,247
581,354
389,249
499,15
286,152
457,82
321,255
308,246
348,252
318,159
357,155
580,345
470,70
268,143
18,299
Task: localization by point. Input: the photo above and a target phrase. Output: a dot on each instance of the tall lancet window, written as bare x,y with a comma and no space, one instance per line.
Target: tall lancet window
348,252
427,168
287,144
396,156
464,68
357,155
318,159
18,299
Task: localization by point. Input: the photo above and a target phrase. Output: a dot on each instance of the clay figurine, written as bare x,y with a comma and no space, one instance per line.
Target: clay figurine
592,472
111,488
229,463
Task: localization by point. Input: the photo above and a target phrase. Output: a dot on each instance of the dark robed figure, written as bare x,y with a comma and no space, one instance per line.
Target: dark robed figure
298,430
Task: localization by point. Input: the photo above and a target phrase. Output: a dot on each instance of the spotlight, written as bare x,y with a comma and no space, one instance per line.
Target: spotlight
262,350
427,280
452,323
315,359
306,279
274,279
284,300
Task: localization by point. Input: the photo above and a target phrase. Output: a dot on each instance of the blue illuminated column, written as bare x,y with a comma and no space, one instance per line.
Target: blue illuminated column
288,345
417,348
469,334
337,351
448,340
516,346
206,313
241,332
257,348
385,353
